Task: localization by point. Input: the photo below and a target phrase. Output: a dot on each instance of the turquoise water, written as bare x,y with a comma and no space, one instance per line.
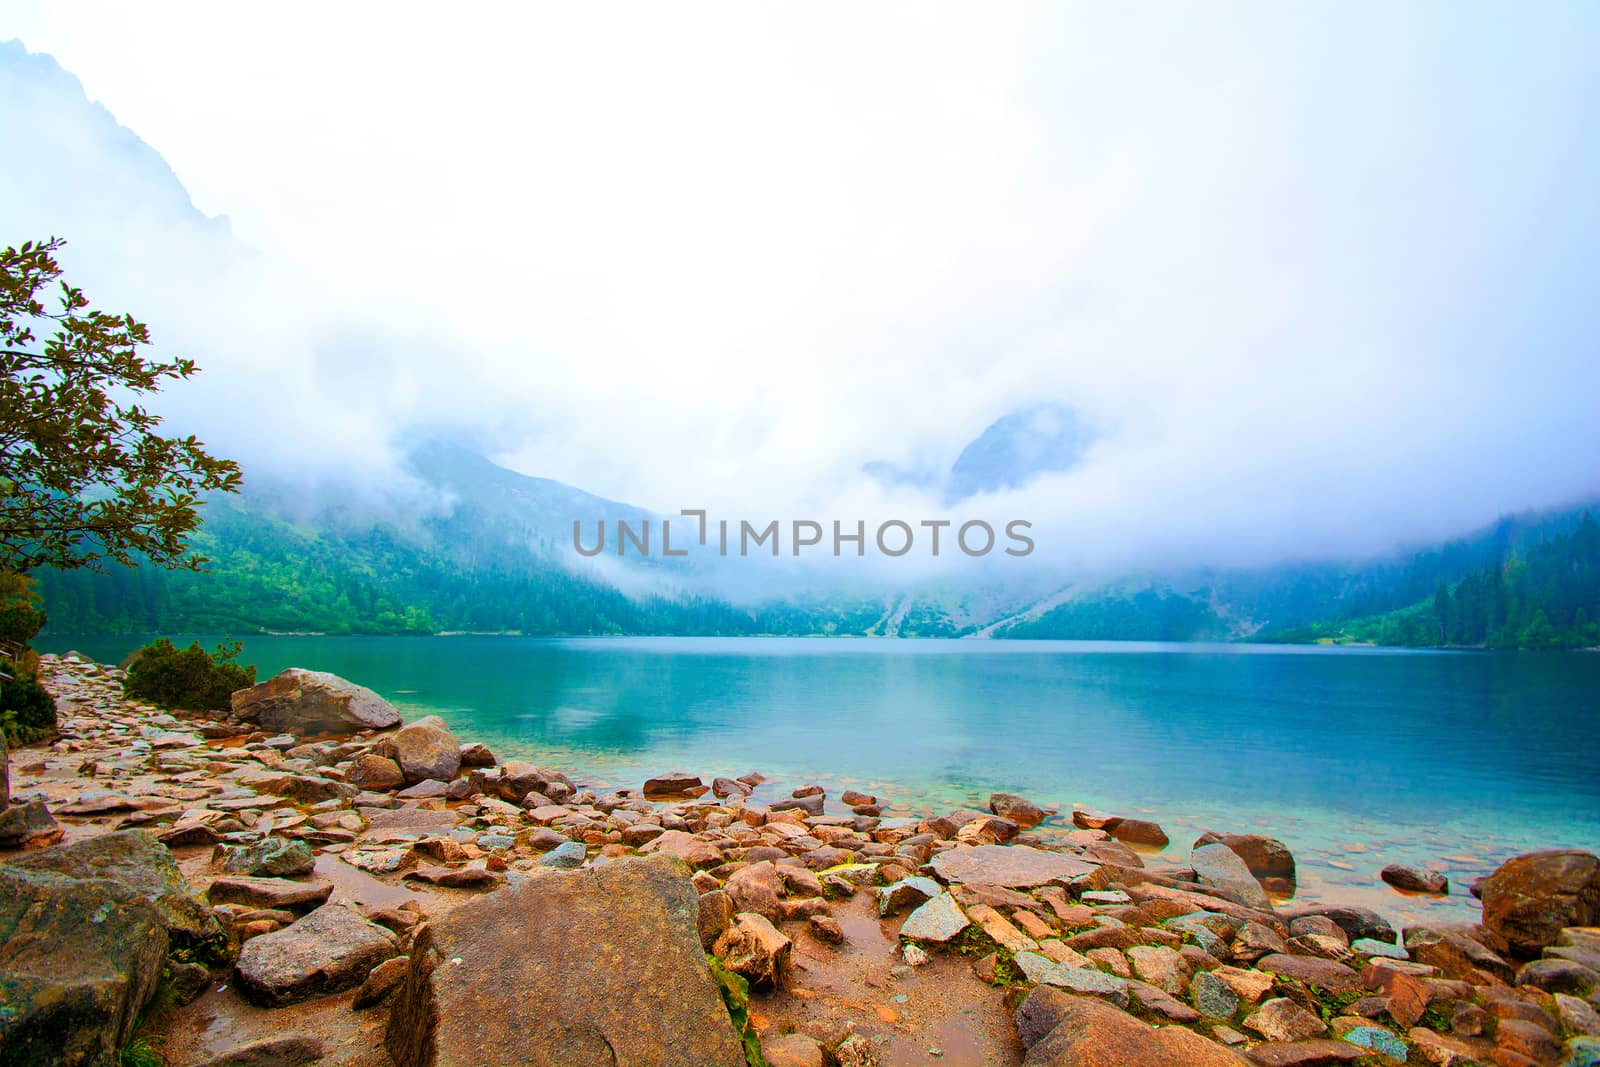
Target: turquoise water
1355,757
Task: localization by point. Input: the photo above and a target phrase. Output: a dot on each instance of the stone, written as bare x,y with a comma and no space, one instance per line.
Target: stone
1218,865
29,825
1265,857
268,892
1019,810
1140,832
138,863
937,920
371,771
330,950
426,749
729,787
287,1050
1577,1016
1281,1019
80,959
757,888
1077,1031
567,855
1559,976
855,1051
474,875
477,755
1582,1052
694,851
1213,997
1162,967
792,1050
673,784
1356,922
381,981
752,948
1044,971
627,933
1378,1039
1009,866
304,702
1529,1039
811,804
1250,985
1313,971
826,928
1366,946
1317,1052
716,913
1529,899
1414,879
272,857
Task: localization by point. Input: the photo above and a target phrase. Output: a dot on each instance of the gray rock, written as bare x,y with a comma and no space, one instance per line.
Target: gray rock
1218,865
1213,997
907,892
330,950
939,919
288,1050
565,856
271,857
79,960
620,977
312,702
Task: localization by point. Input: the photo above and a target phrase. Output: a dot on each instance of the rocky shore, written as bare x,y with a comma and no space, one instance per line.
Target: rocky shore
309,879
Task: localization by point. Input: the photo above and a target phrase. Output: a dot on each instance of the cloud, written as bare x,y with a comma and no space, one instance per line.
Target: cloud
1323,278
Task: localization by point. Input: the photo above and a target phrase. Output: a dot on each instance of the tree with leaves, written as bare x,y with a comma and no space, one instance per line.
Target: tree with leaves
84,474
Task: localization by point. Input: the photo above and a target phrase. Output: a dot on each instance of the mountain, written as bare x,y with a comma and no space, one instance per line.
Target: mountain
1008,454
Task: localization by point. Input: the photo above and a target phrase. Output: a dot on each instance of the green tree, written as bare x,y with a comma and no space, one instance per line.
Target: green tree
84,476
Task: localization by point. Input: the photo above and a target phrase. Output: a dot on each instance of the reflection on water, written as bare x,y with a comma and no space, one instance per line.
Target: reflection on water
1355,757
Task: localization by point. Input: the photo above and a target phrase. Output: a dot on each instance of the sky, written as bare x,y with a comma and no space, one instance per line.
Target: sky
1321,276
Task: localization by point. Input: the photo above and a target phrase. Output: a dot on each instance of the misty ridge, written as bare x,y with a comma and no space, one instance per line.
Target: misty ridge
1178,483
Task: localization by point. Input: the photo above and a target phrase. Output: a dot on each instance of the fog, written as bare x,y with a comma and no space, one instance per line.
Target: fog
1321,277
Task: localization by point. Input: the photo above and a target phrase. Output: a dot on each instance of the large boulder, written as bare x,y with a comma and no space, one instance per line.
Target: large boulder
602,965
1218,865
141,865
426,749
79,960
1267,857
1529,899
330,950
303,702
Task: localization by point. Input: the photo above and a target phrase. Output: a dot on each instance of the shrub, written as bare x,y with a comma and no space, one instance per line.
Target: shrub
190,678
27,712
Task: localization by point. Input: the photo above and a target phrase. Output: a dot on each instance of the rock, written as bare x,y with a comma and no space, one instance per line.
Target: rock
812,804
1281,1019
1528,899
792,1050
1378,1039
426,749
79,960
600,976
1266,857
477,755
289,1050
855,1051
1213,997
673,784
757,888
1355,922
855,799
304,702
268,892
1160,966
694,851
1365,946
330,950
1139,832
1114,852
1559,976
1010,866
28,825
1415,879
1083,1032
1218,865
826,928
1317,1052
473,876
1313,971
1024,813
371,771
754,949
188,980
567,855
1577,1016
273,857
729,787
1455,951
142,865
381,981
715,914
937,920
907,892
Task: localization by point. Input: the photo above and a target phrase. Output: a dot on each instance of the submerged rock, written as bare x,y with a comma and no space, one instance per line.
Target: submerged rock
303,702
79,960
1025,813
1415,879
673,784
620,978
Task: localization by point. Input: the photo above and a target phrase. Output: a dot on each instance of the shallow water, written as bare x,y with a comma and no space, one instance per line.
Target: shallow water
1354,757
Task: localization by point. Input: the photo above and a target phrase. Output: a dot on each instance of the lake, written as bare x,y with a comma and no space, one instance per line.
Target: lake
1354,757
